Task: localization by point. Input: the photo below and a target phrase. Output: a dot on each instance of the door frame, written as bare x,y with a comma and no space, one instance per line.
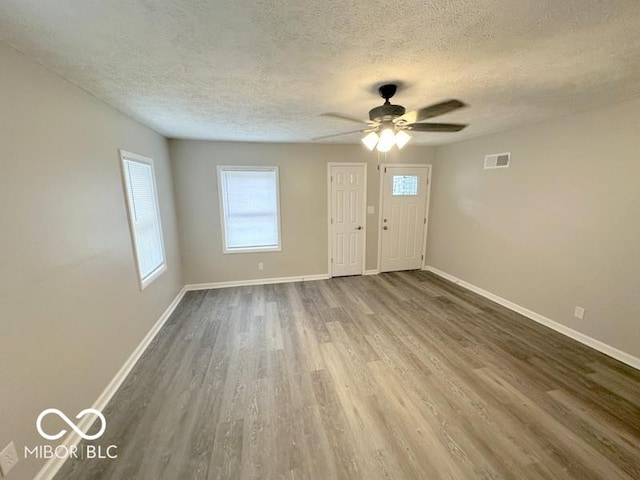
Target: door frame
364,213
381,206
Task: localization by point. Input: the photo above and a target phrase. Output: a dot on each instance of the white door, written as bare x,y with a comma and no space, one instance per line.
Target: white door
404,206
347,219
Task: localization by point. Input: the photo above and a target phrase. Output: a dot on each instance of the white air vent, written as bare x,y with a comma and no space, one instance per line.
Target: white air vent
497,160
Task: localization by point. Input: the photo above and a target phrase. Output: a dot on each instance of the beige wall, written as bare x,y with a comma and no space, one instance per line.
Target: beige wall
559,228
71,310
303,200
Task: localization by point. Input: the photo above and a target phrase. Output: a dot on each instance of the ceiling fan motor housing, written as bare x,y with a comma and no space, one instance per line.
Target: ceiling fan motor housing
386,112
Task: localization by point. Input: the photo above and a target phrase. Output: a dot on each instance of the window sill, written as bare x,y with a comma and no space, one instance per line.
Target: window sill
252,250
144,283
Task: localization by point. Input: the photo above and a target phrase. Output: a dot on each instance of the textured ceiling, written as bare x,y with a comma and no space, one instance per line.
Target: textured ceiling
264,70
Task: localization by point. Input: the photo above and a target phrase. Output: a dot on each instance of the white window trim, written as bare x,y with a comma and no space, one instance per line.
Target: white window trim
223,217
146,281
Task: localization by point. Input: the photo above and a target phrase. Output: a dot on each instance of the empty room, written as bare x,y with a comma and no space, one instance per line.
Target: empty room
319,240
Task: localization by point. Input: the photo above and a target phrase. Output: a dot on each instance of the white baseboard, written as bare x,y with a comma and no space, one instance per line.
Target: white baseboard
602,347
375,271
258,281
54,464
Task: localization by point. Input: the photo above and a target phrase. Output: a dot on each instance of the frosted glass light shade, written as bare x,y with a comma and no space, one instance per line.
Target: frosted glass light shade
370,140
402,138
387,140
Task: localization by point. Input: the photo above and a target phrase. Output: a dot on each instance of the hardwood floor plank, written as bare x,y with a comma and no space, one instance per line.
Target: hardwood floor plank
397,376
616,382
225,461
616,444
586,462
341,441
424,447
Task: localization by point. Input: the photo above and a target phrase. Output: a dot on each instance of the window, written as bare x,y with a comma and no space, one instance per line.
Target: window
249,206
144,216
405,185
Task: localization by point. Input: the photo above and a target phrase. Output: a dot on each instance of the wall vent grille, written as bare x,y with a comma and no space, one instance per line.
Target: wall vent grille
497,160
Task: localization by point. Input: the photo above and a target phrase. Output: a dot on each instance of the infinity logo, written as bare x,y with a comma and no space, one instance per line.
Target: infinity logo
64,418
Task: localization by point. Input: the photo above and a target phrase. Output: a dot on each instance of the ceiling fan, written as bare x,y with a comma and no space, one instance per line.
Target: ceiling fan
388,124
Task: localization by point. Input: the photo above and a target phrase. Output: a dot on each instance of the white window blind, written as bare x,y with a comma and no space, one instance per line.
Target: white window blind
249,208
144,216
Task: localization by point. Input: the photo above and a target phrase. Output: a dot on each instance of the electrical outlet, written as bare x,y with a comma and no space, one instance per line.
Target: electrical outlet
578,312
371,209
8,459
260,266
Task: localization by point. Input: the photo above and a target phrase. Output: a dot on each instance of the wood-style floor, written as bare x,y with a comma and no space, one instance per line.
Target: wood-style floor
399,375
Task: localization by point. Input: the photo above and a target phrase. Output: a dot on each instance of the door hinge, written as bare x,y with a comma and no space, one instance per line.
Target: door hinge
385,169
332,221
332,178
421,257
425,220
427,179
332,260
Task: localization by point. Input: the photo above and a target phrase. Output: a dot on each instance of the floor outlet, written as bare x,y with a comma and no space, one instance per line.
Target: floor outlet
579,312
260,266
8,459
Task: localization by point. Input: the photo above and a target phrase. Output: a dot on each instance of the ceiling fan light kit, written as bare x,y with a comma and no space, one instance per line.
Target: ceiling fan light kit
370,140
388,124
386,140
402,138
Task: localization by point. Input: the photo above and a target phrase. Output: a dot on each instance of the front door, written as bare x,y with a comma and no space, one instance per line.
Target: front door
404,206
347,219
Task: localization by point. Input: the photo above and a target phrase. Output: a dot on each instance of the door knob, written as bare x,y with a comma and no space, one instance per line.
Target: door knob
385,228
359,227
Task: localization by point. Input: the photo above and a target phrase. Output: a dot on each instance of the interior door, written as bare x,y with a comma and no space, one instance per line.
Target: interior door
404,206
347,219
